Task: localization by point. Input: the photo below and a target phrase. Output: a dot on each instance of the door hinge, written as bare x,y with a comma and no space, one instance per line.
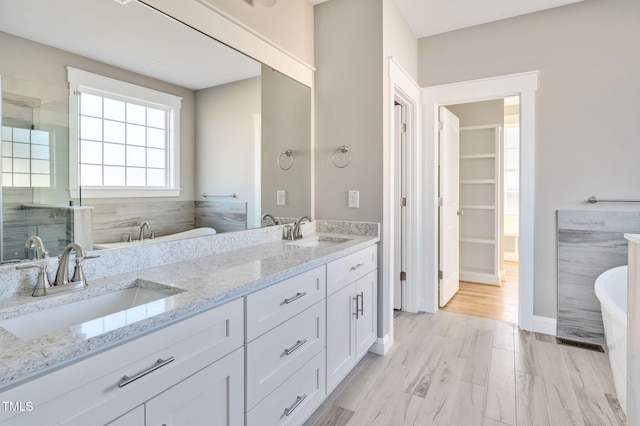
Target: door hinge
403,127
403,202
440,201
440,275
403,276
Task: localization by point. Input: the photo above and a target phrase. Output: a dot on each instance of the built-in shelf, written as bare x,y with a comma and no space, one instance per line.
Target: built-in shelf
477,156
477,181
480,200
476,207
477,240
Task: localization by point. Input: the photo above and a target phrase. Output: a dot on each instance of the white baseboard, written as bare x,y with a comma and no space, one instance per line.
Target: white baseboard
381,346
545,325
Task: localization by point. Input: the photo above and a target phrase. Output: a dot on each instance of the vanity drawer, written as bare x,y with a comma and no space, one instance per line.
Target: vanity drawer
274,356
88,391
348,269
275,304
296,399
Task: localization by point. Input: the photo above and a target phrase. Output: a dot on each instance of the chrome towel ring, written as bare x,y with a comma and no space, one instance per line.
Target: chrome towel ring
341,157
286,154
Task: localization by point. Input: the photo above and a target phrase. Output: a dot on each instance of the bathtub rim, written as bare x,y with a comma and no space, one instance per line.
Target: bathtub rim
606,301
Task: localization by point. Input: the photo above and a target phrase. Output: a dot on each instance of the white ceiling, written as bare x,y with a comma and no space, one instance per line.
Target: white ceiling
130,36
430,17
141,40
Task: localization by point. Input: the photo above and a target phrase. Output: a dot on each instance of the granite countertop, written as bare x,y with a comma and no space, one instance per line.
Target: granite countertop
207,282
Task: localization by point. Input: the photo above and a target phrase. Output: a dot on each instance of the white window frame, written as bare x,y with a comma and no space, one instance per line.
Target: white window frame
79,80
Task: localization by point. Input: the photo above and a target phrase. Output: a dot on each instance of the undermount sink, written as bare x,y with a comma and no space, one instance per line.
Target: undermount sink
321,242
97,314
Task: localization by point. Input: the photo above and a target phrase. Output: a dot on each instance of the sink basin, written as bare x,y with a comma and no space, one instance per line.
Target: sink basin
97,314
320,242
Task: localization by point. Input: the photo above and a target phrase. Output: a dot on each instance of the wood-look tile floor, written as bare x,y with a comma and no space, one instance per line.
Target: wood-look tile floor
454,369
489,301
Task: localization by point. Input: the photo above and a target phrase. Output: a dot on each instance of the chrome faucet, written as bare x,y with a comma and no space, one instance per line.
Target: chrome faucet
297,232
273,219
78,279
35,244
142,227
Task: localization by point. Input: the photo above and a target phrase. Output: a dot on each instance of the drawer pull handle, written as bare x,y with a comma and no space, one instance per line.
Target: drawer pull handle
295,405
358,266
294,298
159,363
360,306
293,348
356,313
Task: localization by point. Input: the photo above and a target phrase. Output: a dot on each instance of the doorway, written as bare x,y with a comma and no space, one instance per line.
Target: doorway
524,84
487,215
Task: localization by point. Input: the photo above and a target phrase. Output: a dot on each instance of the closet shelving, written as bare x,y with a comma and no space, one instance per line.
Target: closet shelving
480,200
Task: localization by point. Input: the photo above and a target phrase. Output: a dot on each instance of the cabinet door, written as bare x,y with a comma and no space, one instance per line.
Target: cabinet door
212,396
366,322
134,417
341,353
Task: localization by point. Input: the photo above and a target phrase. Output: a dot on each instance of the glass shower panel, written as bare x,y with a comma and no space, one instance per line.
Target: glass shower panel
36,194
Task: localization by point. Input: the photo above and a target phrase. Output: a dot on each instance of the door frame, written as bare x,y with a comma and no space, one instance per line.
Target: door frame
403,89
525,85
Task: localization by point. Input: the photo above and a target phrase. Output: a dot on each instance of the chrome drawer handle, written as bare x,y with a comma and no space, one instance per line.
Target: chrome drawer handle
361,304
295,405
294,298
358,266
293,348
159,363
357,311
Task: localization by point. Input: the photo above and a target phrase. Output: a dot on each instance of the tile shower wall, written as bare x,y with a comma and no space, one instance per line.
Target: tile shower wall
589,243
52,225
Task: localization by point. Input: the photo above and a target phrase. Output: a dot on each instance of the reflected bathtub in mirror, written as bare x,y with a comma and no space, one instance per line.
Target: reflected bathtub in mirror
198,232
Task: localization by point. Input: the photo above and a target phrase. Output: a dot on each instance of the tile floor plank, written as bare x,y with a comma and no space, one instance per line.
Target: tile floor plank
534,383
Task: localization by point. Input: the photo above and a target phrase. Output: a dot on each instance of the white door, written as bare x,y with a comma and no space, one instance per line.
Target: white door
449,205
400,228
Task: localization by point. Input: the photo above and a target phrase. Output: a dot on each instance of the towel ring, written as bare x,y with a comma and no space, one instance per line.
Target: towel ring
341,157
288,154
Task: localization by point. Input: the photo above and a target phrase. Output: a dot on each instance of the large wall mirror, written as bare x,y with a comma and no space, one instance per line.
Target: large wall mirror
80,159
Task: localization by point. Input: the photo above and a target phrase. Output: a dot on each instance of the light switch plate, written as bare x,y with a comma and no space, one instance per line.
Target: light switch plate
281,198
354,199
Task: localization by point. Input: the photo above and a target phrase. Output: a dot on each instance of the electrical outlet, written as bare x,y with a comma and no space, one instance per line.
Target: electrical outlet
281,198
354,199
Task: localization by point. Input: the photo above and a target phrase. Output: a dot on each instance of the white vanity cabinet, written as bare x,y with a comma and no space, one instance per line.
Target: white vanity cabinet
197,353
351,312
212,396
286,326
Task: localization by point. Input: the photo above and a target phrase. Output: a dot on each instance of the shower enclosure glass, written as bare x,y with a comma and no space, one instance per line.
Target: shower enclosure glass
36,197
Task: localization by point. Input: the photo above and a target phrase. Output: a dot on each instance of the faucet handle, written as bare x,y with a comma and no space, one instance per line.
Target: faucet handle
78,274
287,232
43,278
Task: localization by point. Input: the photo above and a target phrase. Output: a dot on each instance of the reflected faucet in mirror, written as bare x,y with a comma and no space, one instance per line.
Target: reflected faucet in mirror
142,228
273,219
34,248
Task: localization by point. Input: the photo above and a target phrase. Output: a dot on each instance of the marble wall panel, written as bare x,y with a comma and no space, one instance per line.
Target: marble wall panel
223,216
589,243
113,221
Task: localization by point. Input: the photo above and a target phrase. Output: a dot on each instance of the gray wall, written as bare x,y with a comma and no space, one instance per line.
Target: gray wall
225,152
283,100
349,110
587,106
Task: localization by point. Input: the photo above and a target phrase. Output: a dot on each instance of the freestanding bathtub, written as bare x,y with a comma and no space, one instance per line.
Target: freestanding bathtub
198,232
611,290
